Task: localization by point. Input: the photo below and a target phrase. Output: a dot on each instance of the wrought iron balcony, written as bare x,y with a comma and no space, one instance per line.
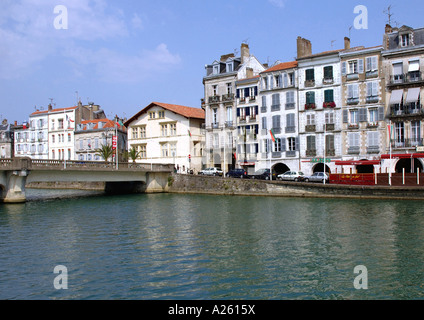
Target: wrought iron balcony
309,83
310,128
214,99
275,107
407,143
406,111
228,97
290,106
329,127
406,78
311,153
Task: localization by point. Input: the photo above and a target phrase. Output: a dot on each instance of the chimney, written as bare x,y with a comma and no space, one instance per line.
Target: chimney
16,123
346,43
249,72
304,47
226,56
50,107
245,53
388,29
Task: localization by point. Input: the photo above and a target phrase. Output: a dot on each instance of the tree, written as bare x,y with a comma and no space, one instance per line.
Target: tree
134,154
105,151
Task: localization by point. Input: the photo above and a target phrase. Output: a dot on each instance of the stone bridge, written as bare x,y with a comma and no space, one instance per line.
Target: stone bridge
16,173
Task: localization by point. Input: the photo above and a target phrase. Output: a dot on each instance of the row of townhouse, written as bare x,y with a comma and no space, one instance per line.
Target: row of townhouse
73,133
354,109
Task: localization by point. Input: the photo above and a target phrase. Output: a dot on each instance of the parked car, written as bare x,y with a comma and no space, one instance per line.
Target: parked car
211,172
318,177
262,174
292,176
237,173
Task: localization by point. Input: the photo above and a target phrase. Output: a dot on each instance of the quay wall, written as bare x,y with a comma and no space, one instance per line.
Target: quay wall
196,184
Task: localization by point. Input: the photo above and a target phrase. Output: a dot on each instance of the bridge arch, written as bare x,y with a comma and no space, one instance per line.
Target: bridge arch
320,167
280,168
2,192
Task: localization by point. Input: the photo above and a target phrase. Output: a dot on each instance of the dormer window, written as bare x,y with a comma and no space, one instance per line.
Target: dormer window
406,40
230,66
216,69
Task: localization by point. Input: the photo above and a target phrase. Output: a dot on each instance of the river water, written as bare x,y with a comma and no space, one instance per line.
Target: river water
168,246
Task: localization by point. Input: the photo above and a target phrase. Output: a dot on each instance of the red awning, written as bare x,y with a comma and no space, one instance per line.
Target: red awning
358,163
403,155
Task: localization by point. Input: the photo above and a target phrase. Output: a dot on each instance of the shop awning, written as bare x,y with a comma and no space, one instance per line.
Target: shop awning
396,97
358,163
403,155
413,95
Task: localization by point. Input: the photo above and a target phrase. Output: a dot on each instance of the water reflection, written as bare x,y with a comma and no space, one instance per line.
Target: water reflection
211,247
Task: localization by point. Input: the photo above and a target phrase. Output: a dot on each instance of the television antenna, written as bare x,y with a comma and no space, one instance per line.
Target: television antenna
389,14
332,43
350,29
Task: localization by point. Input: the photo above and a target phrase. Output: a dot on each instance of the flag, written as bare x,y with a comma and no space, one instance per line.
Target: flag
24,126
235,156
272,135
391,131
69,119
189,133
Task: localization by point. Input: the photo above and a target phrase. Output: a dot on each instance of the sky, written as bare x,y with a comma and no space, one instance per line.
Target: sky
123,55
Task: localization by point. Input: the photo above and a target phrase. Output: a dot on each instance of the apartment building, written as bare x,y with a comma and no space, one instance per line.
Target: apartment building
403,62
91,135
279,118
6,140
320,102
363,103
220,105
168,133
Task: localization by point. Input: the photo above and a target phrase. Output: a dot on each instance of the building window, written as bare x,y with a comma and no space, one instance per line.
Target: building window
229,114
310,119
60,123
143,152
215,116
406,39
353,140
373,139
164,150
291,142
277,145
173,129
399,133
215,90
353,93
215,69
164,130
229,67
373,115
353,117
329,96
69,137
173,149
229,88
152,115
134,133
310,75
310,143
161,114
352,66
371,63
143,132
415,133
329,143
277,81
328,73
372,91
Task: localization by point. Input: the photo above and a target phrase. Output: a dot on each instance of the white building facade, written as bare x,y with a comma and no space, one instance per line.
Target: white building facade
169,134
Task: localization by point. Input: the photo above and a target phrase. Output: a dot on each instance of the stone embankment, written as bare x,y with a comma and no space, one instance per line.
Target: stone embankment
244,187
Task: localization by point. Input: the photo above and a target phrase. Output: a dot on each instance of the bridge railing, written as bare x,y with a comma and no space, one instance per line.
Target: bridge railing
38,164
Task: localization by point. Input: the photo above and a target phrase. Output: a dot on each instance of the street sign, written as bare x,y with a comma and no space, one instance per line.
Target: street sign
320,160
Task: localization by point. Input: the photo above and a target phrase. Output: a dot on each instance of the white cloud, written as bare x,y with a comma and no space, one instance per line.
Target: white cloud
278,3
28,38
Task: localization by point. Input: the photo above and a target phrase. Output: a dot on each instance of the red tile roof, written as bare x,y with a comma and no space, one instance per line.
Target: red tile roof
188,112
282,66
108,123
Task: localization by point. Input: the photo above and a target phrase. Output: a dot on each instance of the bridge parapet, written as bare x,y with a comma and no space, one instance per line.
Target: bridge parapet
37,164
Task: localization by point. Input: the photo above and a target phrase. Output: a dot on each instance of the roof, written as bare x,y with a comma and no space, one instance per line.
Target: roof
324,53
108,123
53,110
188,112
282,66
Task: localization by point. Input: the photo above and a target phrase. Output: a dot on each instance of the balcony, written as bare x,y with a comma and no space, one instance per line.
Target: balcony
353,126
353,150
252,118
407,143
228,97
310,128
229,124
330,152
263,109
311,153
290,106
373,149
290,129
276,130
352,76
328,80
214,99
309,83
310,106
275,107
330,104
329,127
290,154
351,101
371,125
371,99
252,98
276,155
406,78
242,119
371,74
405,111
215,125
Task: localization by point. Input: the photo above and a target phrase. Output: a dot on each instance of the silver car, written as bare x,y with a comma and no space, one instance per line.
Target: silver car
318,177
211,172
292,176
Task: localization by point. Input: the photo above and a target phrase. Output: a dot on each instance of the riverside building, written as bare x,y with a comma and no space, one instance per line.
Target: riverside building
220,105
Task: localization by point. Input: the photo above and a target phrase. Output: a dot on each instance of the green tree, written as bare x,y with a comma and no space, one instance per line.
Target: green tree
105,151
134,154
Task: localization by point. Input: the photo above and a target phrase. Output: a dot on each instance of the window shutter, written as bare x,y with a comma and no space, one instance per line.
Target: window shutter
256,91
238,93
369,88
355,91
283,144
380,113
345,116
297,144
361,65
375,88
264,123
256,109
263,101
374,63
363,115
271,82
286,81
246,92
344,68
238,112
369,64
247,111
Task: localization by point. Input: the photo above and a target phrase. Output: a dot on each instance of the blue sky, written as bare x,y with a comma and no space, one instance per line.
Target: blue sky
125,54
